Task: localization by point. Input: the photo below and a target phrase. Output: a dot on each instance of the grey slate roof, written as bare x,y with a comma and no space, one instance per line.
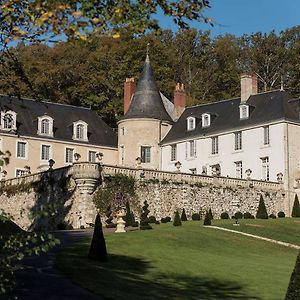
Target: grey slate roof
28,111
147,101
264,108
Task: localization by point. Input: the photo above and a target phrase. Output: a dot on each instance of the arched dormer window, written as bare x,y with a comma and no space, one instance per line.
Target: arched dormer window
205,120
191,123
244,111
45,125
80,131
9,120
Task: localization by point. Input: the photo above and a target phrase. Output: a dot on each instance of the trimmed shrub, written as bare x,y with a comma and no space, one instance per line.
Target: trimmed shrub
183,216
196,217
261,210
293,291
135,224
157,222
272,216
144,224
177,221
163,220
98,246
247,215
296,208
129,217
207,219
238,215
281,214
224,215
168,219
152,219
210,214
111,225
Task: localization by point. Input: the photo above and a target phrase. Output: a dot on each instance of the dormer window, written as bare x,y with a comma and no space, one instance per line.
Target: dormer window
205,120
80,131
244,111
45,125
191,123
8,120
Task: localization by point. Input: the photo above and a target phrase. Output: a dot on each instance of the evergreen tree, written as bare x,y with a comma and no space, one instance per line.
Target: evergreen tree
183,215
293,291
177,221
210,214
261,210
296,208
144,224
129,217
98,246
207,219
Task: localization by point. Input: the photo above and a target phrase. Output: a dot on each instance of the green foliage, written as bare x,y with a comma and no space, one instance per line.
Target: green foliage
261,210
210,214
98,246
238,215
152,219
196,217
224,215
183,215
281,214
296,208
106,194
165,220
129,217
247,215
293,291
272,216
144,224
207,219
177,221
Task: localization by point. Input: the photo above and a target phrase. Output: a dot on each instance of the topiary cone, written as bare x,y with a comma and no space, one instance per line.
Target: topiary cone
98,246
293,291
296,208
177,221
261,210
183,216
207,219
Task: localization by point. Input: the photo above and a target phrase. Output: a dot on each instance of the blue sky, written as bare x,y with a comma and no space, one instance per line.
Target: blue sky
247,16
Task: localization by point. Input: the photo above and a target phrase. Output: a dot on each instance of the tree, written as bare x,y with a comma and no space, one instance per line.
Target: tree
261,210
144,223
293,291
129,217
98,246
207,219
210,214
177,221
183,215
296,208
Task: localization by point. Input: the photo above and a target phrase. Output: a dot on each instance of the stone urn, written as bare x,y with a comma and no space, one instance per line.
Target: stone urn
248,174
279,177
86,176
120,222
177,166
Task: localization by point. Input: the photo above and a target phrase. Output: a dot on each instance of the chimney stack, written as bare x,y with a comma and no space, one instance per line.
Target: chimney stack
179,100
248,86
129,89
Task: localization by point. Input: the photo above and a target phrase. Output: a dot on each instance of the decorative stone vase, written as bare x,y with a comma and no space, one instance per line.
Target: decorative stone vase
178,166
279,177
248,174
120,222
86,176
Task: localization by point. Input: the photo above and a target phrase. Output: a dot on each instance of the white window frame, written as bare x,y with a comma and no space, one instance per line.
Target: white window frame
265,168
50,120
238,169
14,120
85,131
25,149
205,120
215,145
41,152
191,123
144,158
173,152
266,135
244,112
89,156
192,148
238,142
22,170
65,158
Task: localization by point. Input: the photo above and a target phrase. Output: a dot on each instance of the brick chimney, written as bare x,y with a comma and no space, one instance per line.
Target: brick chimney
129,89
179,100
248,86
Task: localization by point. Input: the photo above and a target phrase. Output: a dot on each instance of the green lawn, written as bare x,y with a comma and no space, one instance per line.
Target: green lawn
188,262
282,229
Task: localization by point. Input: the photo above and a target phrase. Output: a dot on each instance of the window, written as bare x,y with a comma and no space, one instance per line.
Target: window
80,131
122,148
193,170
8,120
146,154
265,168
20,172
266,135
238,140
205,120
21,150
244,112
192,148
92,156
45,152
173,152
122,131
238,169
191,123
45,125
69,155
215,145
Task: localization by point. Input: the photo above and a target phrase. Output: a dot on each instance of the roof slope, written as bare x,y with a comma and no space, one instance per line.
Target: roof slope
264,107
147,101
28,111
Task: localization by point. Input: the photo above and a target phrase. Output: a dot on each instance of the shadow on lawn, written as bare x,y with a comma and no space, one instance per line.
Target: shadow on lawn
123,277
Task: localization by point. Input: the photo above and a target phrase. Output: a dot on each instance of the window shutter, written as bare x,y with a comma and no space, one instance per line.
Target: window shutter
186,150
195,148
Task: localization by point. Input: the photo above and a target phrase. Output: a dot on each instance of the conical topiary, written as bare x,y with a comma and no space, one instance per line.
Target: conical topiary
261,210
183,216
210,214
129,217
144,224
207,219
177,221
296,208
98,246
293,291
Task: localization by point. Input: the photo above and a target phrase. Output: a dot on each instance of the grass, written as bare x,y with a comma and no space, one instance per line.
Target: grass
281,229
189,262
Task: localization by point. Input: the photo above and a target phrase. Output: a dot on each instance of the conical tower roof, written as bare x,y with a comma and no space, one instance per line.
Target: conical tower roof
147,102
